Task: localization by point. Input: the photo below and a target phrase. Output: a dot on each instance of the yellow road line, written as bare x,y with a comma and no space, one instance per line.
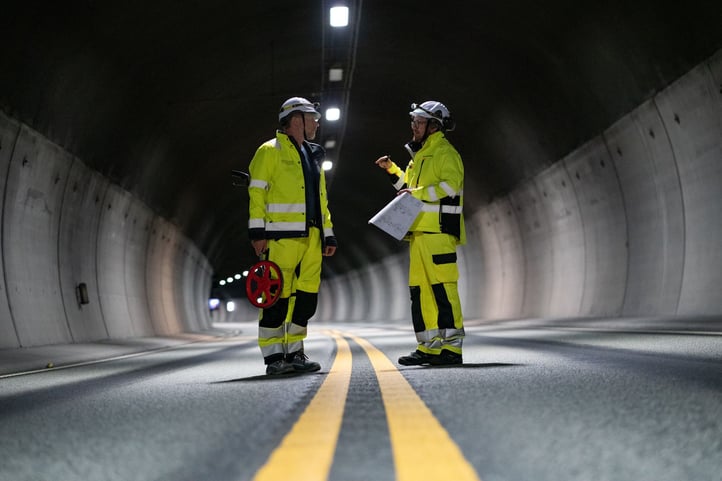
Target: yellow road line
421,446
307,450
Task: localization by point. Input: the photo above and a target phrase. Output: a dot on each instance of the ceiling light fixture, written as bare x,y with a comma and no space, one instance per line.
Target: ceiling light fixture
333,114
339,16
335,74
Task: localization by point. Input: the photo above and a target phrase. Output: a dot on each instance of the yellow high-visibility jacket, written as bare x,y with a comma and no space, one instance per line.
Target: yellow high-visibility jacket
277,192
435,176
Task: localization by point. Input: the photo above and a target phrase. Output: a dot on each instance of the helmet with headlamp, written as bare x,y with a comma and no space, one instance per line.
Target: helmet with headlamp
433,110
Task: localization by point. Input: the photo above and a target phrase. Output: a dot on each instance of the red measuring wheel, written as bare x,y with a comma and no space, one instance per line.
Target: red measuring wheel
264,284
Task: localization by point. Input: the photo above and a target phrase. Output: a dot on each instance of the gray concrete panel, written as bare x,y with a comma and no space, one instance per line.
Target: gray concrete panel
566,232
9,130
597,189
513,258
77,244
136,238
653,203
333,303
691,110
470,265
537,244
398,302
203,289
112,230
505,259
489,276
173,279
377,285
191,295
358,304
160,272
344,298
181,286
31,216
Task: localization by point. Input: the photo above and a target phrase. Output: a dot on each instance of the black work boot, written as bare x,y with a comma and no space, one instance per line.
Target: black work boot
300,362
446,358
279,367
416,358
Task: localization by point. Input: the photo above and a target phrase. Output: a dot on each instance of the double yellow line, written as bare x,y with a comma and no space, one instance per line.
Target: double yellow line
422,449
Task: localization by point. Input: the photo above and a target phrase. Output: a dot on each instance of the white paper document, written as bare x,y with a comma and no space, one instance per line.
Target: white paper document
398,215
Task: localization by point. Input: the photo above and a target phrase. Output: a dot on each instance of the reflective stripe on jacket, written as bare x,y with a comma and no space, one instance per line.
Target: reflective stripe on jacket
435,176
277,196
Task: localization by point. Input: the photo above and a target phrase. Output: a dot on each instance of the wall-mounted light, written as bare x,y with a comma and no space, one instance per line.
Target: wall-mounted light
327,165
333,114
338,16
230,306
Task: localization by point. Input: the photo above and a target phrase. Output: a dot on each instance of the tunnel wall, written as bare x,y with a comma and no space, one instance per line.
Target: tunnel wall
64,224
628,224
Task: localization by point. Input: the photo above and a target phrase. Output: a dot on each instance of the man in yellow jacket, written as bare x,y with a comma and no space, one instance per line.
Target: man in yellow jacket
435,175
290,222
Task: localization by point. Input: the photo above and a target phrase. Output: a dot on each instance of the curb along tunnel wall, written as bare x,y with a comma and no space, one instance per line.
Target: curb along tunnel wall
626,225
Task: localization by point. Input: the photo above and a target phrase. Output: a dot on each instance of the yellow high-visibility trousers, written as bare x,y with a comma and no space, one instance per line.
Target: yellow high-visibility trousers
283,326
435,304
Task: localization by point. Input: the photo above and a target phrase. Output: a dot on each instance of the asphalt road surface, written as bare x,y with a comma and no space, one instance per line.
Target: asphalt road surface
533,401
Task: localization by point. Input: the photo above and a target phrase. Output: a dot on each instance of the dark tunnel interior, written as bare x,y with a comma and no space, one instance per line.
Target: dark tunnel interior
165,99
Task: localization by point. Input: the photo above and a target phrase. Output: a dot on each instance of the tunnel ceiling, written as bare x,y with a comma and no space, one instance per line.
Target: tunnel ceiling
167,97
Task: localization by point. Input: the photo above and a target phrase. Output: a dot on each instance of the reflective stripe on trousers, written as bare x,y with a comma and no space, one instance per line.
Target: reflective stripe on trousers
435,304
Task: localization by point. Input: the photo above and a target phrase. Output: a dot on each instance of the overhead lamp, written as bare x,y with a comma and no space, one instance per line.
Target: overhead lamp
333,113
335,74
327,165
330,144
338,16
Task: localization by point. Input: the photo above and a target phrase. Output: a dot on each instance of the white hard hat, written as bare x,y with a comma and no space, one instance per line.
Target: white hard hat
431,109
298,104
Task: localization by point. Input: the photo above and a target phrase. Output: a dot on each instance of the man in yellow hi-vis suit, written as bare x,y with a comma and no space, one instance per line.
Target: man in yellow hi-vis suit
290,221
435,176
